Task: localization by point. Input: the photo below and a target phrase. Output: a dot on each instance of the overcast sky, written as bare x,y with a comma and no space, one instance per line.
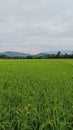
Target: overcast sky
33,26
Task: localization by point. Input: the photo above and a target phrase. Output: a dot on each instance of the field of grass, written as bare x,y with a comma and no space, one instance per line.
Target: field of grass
36,94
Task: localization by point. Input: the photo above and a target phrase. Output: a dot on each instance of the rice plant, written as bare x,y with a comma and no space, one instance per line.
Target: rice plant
36,94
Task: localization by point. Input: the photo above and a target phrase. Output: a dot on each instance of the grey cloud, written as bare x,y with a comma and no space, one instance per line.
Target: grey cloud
34,23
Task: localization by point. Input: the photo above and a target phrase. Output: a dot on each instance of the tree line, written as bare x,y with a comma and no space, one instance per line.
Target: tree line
58,55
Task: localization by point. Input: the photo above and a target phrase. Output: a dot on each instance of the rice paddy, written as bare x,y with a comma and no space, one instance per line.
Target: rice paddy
36,94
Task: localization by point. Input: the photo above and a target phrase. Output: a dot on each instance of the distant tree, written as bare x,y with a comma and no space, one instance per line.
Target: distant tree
3,56
58,55
29,57
47,56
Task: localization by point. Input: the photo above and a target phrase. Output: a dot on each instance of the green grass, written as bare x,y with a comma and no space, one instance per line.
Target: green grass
36,94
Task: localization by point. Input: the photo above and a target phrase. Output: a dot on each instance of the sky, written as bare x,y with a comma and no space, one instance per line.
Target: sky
34,26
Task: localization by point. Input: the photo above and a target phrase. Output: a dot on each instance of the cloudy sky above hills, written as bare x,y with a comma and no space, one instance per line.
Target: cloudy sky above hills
33,26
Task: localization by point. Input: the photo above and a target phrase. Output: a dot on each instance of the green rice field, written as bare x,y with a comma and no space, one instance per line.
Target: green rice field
36,94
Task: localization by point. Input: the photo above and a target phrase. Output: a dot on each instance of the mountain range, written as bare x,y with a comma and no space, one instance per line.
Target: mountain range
13,54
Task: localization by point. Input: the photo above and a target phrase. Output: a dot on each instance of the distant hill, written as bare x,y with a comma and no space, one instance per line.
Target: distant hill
53,52
40,55
13,54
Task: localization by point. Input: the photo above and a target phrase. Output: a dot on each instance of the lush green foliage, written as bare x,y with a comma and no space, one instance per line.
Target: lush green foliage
36,94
